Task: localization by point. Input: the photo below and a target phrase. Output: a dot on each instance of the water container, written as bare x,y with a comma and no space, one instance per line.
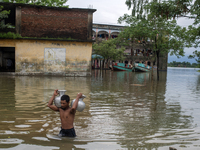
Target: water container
81,104
58,98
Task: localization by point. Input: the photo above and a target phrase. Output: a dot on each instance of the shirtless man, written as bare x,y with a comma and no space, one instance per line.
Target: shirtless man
67,114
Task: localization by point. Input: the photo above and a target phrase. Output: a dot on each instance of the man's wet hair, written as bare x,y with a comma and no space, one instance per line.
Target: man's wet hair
66,98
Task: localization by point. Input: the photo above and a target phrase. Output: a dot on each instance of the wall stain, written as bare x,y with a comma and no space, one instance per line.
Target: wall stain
29,66
30,58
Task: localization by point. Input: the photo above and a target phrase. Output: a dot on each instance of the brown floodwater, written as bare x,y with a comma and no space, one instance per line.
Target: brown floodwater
124,110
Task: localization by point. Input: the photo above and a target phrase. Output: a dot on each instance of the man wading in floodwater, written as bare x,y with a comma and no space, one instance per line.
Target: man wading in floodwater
67,114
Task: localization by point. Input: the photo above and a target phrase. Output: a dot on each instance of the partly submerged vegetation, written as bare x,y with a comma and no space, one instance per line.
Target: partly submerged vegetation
183,64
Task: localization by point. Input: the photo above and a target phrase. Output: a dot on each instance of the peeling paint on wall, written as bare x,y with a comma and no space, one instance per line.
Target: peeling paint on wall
77,66
43,57
54,59
25,66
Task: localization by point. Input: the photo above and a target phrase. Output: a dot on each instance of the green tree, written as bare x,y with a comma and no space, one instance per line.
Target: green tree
169,8
137,7
194,30
194,65
195,12
3,14
196,55
109,50
51,3
166,35
182,64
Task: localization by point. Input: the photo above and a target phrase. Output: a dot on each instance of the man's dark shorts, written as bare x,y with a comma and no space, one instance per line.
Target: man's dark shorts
67,132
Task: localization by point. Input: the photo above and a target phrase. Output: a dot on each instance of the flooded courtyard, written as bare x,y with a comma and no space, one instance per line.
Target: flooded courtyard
124,110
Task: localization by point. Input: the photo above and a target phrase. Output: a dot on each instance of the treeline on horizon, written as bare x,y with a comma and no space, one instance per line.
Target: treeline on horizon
183,64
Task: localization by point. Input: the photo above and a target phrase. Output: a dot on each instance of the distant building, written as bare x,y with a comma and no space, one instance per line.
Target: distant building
105,31
135,53
55,41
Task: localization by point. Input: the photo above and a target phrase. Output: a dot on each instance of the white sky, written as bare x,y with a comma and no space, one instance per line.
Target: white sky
108,12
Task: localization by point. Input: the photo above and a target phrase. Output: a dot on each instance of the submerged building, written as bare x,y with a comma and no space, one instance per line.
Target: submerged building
54,41
139,51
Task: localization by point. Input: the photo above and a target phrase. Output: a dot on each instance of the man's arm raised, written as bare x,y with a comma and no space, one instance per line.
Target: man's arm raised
75,104
50,103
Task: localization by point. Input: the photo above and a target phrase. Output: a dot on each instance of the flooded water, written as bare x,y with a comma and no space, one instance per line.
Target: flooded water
124,110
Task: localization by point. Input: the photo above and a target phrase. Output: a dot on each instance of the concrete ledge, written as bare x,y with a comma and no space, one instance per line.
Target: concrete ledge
69,74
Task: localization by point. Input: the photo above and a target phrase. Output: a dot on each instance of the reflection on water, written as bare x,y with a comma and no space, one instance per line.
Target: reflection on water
124,110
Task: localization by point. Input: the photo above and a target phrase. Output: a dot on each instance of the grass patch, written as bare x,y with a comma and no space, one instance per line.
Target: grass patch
11,35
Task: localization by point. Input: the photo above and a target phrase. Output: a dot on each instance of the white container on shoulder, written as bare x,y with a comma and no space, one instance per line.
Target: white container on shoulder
81,104
58,98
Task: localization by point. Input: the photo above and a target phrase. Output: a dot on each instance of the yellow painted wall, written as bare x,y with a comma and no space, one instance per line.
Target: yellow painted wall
31,57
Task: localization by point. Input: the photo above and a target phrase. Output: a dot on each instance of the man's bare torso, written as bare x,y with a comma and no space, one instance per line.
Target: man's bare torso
67,118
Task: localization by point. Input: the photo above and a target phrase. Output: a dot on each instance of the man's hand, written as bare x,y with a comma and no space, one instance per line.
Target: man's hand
55,92
75,104
50,103
79,95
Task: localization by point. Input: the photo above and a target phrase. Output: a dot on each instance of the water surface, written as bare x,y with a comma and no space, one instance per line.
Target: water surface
124,110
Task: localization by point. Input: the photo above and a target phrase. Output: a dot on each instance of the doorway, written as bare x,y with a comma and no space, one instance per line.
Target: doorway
7,59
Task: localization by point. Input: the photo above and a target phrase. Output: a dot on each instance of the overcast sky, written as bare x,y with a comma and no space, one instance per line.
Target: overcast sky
108,12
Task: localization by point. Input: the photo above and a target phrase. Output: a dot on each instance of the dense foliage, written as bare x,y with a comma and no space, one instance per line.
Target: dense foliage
3,14
108,50
182,64
196,55
159,28
51,3
164,35
166,8
171,10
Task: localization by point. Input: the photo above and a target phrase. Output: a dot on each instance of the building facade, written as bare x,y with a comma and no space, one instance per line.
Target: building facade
55,41
137,52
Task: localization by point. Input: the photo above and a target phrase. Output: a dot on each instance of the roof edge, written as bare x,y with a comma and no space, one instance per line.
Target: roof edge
49,39
40,6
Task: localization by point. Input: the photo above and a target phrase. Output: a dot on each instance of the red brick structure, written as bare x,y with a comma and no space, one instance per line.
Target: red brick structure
51,22
55,41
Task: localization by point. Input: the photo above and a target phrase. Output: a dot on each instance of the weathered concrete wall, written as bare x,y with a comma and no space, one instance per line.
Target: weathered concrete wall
43,57
18,19
107,26
90,21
